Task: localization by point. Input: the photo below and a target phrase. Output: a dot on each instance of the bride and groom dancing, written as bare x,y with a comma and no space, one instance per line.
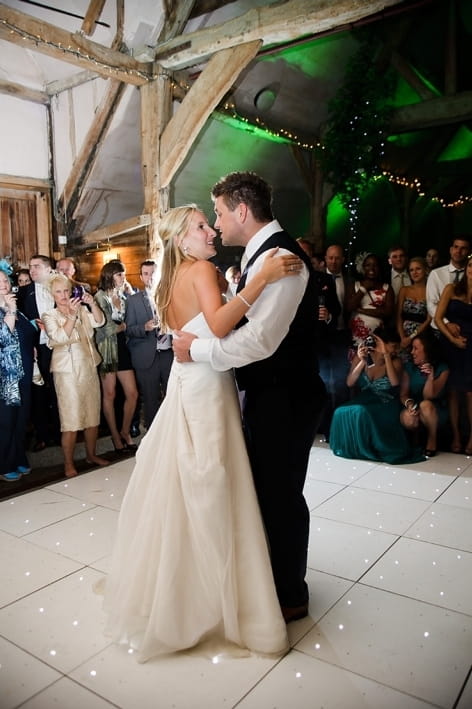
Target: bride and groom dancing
191,561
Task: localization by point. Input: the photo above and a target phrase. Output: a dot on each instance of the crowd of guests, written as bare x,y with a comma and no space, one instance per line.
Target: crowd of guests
398,365
395,354
64,350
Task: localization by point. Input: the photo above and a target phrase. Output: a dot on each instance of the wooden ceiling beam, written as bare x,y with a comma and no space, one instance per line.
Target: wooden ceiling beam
215,80
82,77
93,13
28,32
432,112
273,24
84,161
405,69
19,91
202,7
450,52
112,231
176,15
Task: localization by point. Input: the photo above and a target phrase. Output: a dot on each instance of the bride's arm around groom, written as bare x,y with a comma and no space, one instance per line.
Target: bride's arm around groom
274,353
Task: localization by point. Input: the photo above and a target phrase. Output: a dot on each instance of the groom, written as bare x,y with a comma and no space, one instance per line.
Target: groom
274,353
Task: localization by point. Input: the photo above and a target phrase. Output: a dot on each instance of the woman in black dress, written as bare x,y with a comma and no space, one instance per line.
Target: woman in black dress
456,306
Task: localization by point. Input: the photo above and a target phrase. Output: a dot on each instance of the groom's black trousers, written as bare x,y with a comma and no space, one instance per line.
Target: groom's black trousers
280,421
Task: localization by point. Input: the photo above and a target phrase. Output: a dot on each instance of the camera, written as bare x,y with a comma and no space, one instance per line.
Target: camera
15,289
77,292
369,342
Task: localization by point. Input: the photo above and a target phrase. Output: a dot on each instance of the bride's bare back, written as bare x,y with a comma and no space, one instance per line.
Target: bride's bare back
195,290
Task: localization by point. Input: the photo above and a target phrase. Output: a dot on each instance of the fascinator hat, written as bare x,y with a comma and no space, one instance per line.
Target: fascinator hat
6,267
359,261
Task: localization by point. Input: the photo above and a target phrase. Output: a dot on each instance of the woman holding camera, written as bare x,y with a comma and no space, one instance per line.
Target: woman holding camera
369,301
69,327
423,390
368,427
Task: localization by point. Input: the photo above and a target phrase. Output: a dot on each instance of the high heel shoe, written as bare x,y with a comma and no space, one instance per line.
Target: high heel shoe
129,447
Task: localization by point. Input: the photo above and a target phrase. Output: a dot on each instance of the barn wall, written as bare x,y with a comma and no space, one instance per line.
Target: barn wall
24,149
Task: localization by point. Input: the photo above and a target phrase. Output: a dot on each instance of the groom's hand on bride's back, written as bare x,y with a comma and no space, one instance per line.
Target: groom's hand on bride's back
181,342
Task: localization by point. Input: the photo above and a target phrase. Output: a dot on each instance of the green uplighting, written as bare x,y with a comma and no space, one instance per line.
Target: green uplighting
247,127
406,140
459,147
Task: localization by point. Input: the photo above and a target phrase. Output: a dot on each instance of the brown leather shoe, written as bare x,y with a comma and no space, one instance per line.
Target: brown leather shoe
291,613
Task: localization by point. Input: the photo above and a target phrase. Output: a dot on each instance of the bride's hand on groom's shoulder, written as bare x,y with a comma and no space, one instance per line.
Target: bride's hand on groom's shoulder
277,266
181,342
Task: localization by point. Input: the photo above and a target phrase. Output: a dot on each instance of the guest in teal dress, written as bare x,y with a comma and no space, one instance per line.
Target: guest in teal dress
423,388
368,427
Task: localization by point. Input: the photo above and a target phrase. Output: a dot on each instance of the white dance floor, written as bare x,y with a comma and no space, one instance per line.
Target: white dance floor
390,613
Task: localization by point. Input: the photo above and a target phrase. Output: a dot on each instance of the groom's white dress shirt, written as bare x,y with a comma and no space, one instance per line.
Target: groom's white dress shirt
269,318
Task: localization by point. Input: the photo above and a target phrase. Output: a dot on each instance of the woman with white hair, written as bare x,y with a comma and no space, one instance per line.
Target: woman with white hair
69,327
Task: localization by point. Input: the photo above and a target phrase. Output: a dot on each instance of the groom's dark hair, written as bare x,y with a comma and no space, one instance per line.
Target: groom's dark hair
248,188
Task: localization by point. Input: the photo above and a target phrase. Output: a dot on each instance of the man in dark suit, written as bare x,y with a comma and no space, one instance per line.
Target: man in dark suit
275,355
35,299
334,363
151,351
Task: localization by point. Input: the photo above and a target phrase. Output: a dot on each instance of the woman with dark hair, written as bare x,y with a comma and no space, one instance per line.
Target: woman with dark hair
17,336
23,277
412,313
368,427
116,360
456,336
369,301
422,389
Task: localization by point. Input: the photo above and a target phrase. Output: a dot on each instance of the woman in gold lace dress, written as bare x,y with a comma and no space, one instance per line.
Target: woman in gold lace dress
70,327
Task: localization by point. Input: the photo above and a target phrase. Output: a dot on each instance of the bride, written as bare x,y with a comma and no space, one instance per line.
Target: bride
190,562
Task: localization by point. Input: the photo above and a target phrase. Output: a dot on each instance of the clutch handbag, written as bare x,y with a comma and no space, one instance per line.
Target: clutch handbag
37,376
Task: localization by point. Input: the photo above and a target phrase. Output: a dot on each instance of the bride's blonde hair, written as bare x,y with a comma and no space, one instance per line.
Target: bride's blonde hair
172,229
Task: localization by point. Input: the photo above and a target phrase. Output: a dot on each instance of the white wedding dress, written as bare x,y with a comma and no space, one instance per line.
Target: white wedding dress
190,561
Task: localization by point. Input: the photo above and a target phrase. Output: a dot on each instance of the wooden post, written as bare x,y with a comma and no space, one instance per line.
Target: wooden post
156,106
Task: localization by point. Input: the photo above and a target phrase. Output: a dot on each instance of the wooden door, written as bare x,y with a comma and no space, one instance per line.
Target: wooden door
24,225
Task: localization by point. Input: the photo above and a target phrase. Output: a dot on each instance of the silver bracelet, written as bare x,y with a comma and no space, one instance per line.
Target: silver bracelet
238,295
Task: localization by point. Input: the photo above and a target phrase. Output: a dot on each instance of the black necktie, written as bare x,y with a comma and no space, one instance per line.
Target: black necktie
457,275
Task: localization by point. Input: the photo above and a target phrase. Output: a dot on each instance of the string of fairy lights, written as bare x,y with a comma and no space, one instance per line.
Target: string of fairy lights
415,184
230,108
411,183
74,51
